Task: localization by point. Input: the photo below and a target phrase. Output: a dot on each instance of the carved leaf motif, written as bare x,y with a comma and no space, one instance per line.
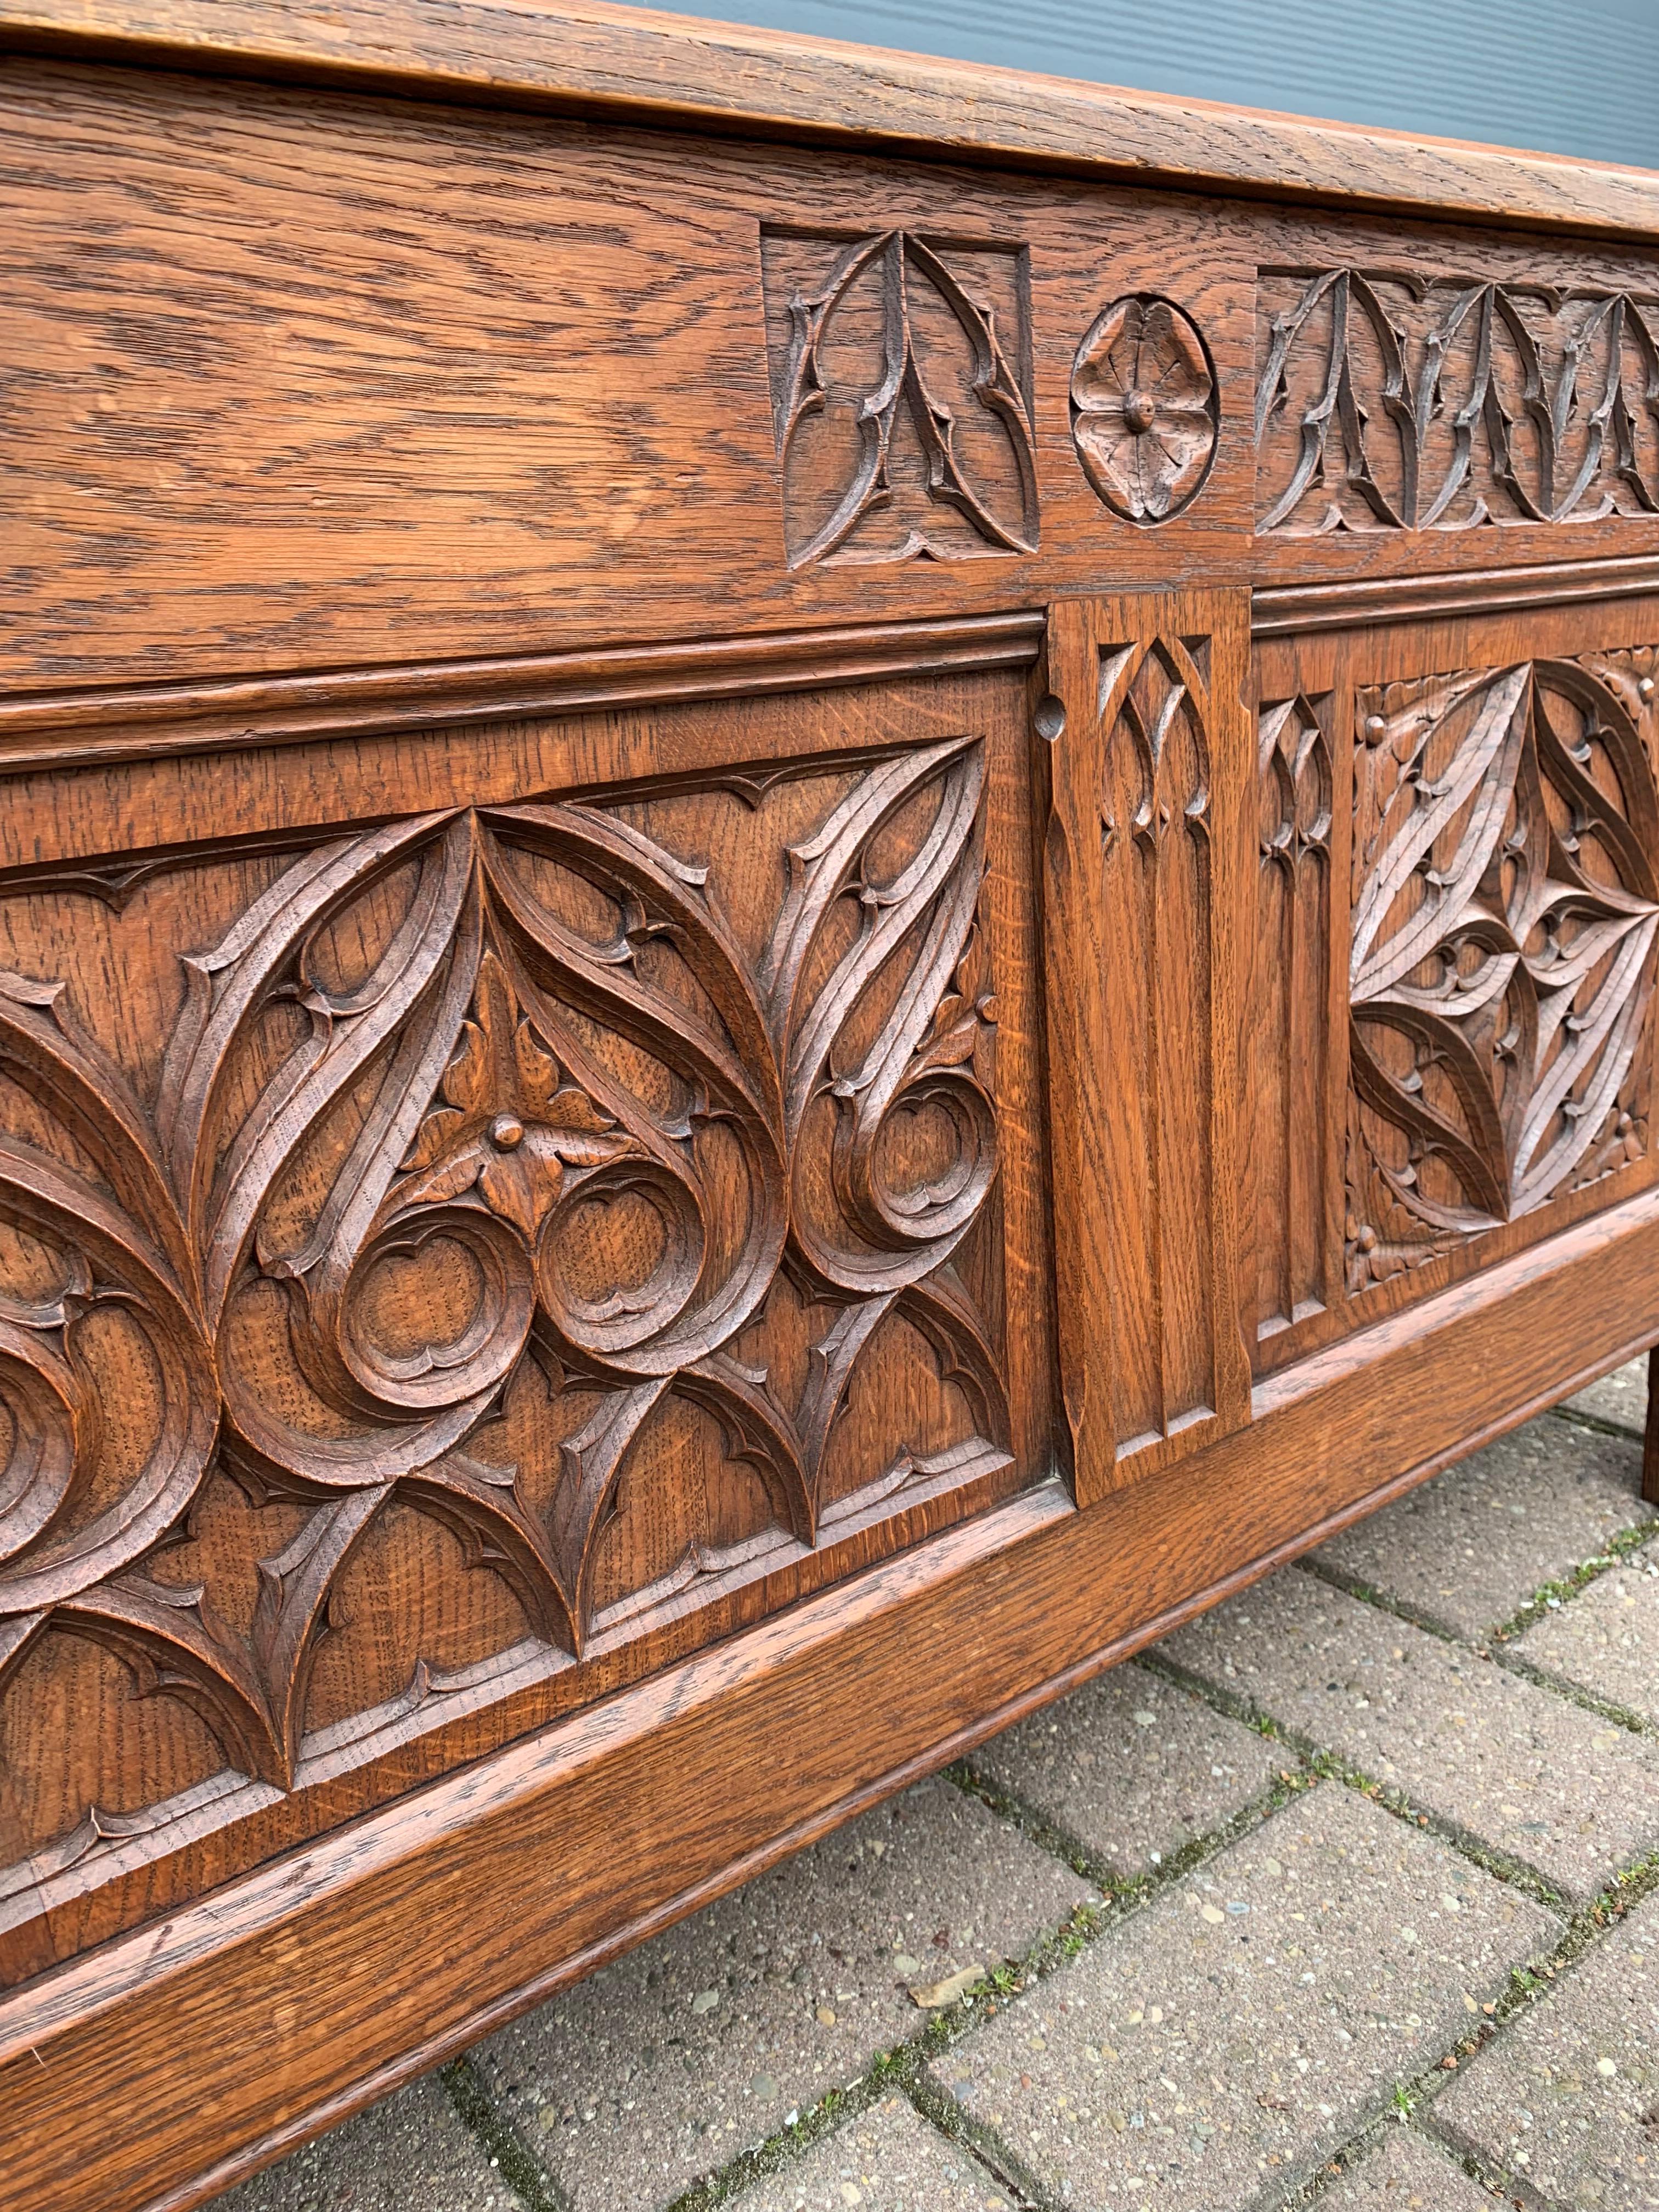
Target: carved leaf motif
1334,412
1504,918
268,958
58,1063
510,1125
723,1064
1471,799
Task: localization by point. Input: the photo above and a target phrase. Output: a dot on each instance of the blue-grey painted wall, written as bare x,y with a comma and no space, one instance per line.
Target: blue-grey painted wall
1571,76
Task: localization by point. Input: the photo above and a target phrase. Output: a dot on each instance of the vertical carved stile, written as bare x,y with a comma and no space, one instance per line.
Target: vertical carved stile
1287,1030
1144,870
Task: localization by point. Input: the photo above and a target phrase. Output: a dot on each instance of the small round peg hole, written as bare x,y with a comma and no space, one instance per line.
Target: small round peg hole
1050,718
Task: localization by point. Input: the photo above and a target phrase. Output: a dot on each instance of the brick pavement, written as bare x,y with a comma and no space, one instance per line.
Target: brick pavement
1347,1894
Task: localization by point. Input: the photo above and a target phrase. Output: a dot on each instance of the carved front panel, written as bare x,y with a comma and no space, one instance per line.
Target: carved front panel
1504,907
532,1138
436,1255
1448,1046
1149,767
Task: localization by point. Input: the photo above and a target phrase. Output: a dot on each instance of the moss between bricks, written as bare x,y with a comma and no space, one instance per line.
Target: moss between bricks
1549,1597
903,2068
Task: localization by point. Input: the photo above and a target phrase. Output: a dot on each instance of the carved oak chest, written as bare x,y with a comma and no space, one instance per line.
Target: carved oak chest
821,877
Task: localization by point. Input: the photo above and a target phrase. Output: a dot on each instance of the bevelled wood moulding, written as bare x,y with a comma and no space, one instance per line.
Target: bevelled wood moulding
615,61
71,729
1290,610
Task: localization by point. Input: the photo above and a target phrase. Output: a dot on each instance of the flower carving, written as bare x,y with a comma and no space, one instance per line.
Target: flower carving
1143,408
511,1125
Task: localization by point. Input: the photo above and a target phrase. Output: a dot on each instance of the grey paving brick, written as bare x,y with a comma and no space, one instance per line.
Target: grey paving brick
669,2062
887,2159
1607,1638
1132,1767
1522,1769
408,2154
1220,2045
1567,2095
1405,2174
1472,1546
1621,1396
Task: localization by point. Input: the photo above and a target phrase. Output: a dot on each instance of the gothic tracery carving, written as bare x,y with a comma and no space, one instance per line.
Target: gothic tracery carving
1288,1043
1389,402
543,1108
904,424
1504,912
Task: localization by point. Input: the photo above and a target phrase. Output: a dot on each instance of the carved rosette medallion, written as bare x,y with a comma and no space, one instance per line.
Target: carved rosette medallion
470,1105
1144,412
1501,966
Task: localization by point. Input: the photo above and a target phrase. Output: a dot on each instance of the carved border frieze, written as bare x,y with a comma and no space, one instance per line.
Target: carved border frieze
1387,401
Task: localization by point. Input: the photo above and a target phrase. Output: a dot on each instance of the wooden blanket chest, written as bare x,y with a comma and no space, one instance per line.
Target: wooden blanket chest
820,878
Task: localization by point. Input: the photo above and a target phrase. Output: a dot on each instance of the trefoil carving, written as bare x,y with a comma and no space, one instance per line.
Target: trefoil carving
901,398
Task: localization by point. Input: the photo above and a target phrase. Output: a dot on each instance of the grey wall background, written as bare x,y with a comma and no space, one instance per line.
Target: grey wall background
1569,77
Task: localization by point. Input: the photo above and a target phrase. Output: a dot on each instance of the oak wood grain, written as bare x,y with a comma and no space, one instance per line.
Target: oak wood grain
1338,689
1145,881
758,800
358,1611
511,436
1285,609
282,1985
614,61
72,727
